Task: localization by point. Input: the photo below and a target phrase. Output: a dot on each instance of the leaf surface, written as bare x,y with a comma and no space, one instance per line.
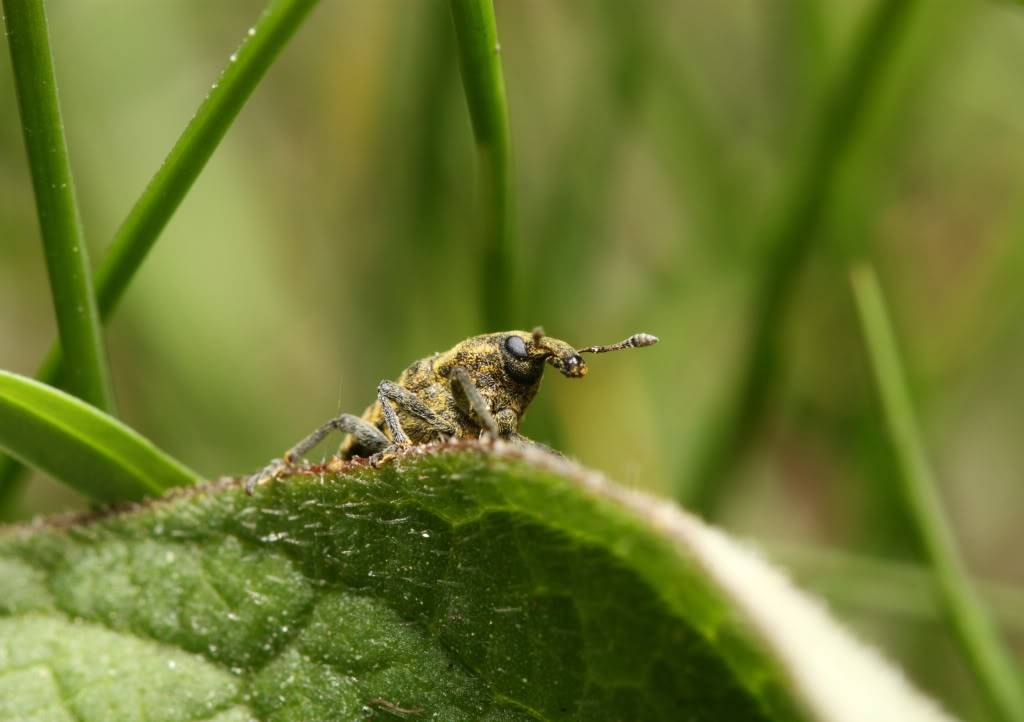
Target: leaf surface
450,584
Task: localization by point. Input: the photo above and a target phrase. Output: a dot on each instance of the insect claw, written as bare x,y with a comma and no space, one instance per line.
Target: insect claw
388,453
270,472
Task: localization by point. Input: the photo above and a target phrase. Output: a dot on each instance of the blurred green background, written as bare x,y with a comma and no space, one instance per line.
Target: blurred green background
676,165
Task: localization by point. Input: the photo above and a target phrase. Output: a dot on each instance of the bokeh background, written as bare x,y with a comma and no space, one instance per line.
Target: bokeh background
659,149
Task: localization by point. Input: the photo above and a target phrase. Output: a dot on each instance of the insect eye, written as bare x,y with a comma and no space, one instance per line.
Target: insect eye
516,347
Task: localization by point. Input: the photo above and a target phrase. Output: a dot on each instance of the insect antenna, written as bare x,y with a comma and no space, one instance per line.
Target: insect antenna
637,340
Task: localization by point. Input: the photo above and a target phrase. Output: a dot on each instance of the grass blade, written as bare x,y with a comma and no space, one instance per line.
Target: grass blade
164,193
476,33
788,241
80,445
67,263
193,149
989,660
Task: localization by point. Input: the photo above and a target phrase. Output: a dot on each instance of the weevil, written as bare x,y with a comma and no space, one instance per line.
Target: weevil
479,388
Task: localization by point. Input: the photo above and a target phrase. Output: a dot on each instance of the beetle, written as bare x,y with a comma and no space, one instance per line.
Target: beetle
481,387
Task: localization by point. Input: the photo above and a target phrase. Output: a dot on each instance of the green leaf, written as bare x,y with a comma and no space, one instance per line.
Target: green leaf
50,430
451,585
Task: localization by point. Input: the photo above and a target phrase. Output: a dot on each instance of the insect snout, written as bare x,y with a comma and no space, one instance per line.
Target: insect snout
570,364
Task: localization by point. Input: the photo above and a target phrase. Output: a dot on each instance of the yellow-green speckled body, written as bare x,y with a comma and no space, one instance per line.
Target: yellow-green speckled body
507,384
481,386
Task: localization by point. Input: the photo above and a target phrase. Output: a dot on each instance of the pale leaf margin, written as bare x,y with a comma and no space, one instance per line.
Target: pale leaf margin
835,676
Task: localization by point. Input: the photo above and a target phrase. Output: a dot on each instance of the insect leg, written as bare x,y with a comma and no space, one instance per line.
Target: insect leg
476,400
528,443
409,403
508,423
365,433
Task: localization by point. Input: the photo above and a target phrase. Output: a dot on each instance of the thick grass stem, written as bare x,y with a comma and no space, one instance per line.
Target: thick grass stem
78,323
480,63
788,241
974,631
